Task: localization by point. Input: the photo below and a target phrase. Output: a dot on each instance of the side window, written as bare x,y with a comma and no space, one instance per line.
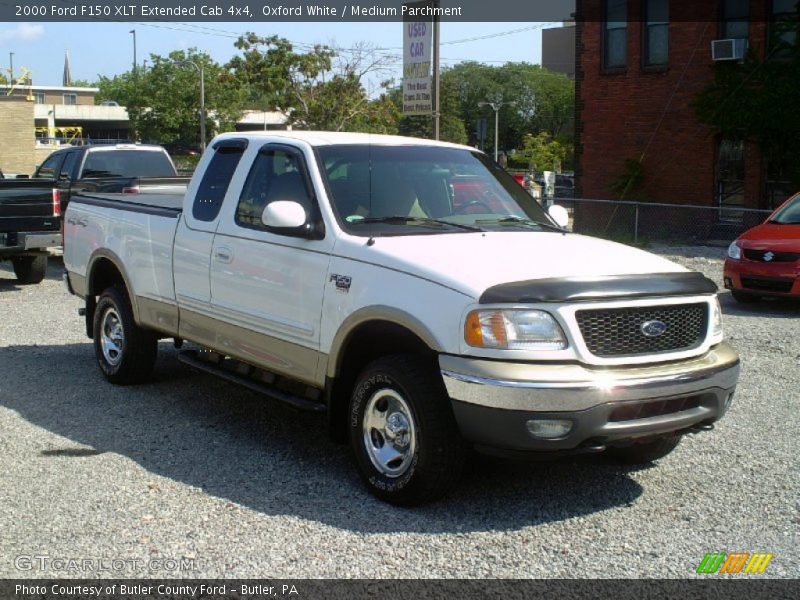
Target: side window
276,174
49,169
216,180
69,164
615,34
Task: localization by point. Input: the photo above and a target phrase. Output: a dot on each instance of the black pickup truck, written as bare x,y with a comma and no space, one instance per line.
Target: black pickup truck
31,209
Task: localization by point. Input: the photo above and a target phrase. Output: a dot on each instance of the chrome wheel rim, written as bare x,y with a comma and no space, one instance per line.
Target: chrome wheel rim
389,432
112,337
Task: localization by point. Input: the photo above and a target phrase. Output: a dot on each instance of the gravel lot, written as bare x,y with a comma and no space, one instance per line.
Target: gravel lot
188,467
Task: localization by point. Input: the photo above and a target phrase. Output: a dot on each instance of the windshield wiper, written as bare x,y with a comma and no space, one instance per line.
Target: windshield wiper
514,220
401,219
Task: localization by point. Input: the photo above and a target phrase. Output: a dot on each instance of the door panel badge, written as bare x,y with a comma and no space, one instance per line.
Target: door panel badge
342,282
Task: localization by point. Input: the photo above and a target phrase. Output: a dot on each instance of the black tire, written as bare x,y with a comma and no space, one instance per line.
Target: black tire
744,297
30,269
136,349
434,451
642,453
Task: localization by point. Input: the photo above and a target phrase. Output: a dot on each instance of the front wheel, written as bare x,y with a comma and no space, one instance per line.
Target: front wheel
125,352
405,439
30,269
642,453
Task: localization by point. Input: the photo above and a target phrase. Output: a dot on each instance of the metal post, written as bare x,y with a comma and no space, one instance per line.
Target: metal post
496,108
11,69
435,81
636,224
202,109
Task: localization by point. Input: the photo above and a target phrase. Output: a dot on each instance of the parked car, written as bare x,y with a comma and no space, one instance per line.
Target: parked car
413,292
765,260
31,208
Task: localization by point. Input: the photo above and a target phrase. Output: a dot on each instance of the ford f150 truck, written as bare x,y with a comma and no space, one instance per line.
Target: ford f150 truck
30,209
341,273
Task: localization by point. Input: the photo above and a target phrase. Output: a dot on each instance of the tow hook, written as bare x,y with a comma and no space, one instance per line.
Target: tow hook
700,427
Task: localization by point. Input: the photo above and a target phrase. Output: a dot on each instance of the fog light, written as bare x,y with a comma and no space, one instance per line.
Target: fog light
549,429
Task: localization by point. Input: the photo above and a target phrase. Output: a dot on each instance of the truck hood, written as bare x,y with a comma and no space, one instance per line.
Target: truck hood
473,262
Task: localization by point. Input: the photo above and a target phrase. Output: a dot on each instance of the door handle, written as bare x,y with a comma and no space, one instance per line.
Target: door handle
223,255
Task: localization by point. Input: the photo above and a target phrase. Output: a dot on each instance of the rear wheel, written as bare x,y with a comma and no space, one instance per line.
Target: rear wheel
125,352
744,297
405,439
30,269
640,453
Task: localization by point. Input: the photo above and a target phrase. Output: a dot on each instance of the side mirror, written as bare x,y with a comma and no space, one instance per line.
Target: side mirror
284,214
559,214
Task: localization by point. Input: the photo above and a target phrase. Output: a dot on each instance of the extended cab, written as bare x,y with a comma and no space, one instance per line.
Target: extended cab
30,209
357,275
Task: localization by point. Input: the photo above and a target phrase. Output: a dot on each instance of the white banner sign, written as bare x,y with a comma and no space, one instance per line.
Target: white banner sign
417,46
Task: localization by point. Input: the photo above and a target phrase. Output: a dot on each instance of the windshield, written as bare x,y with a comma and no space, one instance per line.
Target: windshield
789,214
406,190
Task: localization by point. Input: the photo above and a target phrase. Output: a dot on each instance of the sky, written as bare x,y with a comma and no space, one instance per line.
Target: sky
107,48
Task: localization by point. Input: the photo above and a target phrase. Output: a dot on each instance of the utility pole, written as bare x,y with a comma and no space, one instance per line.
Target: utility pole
11,68
133,32
435,82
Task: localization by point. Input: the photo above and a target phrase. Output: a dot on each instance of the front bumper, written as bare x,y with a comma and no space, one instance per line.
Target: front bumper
764,279
493,400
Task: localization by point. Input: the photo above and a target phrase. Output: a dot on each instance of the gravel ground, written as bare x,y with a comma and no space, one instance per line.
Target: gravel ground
188,467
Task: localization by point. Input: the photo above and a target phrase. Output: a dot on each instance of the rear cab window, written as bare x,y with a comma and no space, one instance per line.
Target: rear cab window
127,163
216,179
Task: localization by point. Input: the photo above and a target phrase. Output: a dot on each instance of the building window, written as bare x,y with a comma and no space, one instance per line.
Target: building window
734,19
783,28
656,32
615,35
71,99
39,98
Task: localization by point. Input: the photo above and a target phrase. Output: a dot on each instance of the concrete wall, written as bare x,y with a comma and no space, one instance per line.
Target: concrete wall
17,141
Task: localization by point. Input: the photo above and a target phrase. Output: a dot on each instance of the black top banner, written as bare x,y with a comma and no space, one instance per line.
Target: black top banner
337,10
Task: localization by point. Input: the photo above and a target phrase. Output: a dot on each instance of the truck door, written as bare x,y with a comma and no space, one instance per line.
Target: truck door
267,285
195,235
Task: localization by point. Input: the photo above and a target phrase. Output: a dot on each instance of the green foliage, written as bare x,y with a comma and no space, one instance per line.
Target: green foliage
543,153
164,101
451,125
629,180
757,100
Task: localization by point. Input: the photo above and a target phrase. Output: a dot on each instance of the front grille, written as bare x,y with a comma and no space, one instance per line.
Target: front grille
759,255
636,410
618,331
772,284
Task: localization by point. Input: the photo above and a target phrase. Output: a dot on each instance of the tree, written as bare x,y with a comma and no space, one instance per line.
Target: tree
318,89
164,102
544,153
756,100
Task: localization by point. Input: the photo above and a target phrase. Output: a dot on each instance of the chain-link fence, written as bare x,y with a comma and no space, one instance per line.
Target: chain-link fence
643,222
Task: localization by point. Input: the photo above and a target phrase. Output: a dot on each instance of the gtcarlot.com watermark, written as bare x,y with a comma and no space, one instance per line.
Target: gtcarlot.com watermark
58,564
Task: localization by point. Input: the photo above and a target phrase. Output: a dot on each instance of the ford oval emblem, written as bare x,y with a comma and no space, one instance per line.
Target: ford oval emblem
653,328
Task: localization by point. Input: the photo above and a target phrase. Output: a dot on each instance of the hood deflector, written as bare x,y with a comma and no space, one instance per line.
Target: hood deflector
611,287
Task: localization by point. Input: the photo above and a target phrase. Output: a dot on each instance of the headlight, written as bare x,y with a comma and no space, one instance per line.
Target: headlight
734,251
716,321
514,330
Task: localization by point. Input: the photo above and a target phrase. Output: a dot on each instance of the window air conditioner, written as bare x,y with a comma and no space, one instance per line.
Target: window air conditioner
733,49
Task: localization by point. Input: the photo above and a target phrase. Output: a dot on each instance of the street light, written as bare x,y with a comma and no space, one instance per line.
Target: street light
199,68
496,106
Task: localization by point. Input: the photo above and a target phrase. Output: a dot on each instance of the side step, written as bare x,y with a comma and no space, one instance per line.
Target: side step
190,358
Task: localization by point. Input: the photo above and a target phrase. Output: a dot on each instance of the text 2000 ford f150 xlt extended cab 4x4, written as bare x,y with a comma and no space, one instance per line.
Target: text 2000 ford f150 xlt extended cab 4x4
357,275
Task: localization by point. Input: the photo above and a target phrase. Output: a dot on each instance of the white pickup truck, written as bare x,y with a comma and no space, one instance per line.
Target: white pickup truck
413,292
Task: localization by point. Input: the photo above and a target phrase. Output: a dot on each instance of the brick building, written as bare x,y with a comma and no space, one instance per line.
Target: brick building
639,65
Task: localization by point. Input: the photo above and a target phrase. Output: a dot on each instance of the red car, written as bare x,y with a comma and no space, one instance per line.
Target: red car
765,260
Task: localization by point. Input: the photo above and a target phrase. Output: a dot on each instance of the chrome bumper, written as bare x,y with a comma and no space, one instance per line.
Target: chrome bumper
494,400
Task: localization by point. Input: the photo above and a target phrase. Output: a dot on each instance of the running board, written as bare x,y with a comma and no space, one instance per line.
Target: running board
189,357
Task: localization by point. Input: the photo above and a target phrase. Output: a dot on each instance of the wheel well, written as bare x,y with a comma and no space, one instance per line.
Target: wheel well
368,342
103,275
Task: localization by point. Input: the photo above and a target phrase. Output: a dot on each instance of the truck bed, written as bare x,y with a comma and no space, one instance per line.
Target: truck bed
168,204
